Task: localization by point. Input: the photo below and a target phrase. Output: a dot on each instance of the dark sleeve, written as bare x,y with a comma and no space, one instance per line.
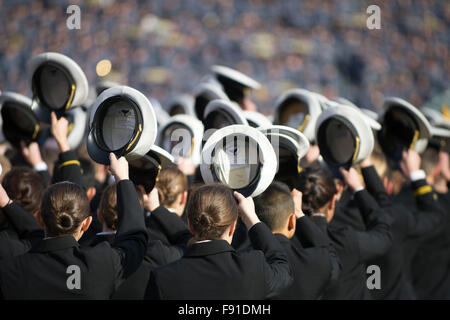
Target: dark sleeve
311,237
376,187
377,238
130,242
158,254
68,168
23,222
428,216
45,175
277,271
309,234
152,292
173,226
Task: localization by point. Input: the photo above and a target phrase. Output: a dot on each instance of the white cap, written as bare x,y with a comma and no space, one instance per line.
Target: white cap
304,117
344,138
247,166
236,76
182,104
131,125
11,131
186,128
77,88
256,119
419,124
204,93
368,115
220,113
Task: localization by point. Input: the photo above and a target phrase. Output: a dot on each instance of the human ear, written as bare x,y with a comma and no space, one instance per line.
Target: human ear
291,222
86,223
232,228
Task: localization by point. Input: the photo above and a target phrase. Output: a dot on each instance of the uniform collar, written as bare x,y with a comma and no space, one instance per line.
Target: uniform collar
54,244
208,248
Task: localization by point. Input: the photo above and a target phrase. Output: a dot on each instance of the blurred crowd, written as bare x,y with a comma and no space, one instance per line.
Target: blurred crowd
164,47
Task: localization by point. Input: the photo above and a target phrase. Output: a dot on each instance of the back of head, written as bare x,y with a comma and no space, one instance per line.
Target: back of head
430,159
25,186
108,206
274,205
171,183
211,209
63,209
318,188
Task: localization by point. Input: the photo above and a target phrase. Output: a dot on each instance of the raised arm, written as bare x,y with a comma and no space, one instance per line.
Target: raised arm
131,238
173,227
306,231
32,155
24,224
278,273
427,217
374,184
67,167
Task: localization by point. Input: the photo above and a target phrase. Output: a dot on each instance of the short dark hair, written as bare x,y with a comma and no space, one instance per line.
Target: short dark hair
25,186
64,207
274,205
430,159
318,188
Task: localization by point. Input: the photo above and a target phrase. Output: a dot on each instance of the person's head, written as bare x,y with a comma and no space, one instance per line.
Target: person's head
88,170
6,166
212,212
107,210
275,207
26,187
172,189
429,164
65,211
319,192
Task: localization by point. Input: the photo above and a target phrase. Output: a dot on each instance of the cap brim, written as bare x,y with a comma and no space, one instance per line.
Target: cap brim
256,119
268,156
96,154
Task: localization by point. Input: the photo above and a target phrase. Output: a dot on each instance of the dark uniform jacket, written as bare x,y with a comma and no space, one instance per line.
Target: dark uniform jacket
21,233
214,270
314,262
408,224
430,266
158,254
355,248
59,268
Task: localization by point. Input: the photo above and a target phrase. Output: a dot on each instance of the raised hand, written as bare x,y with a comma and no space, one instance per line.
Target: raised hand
59,129
31,153
351,178
119,167
410,162
297,196
247,210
